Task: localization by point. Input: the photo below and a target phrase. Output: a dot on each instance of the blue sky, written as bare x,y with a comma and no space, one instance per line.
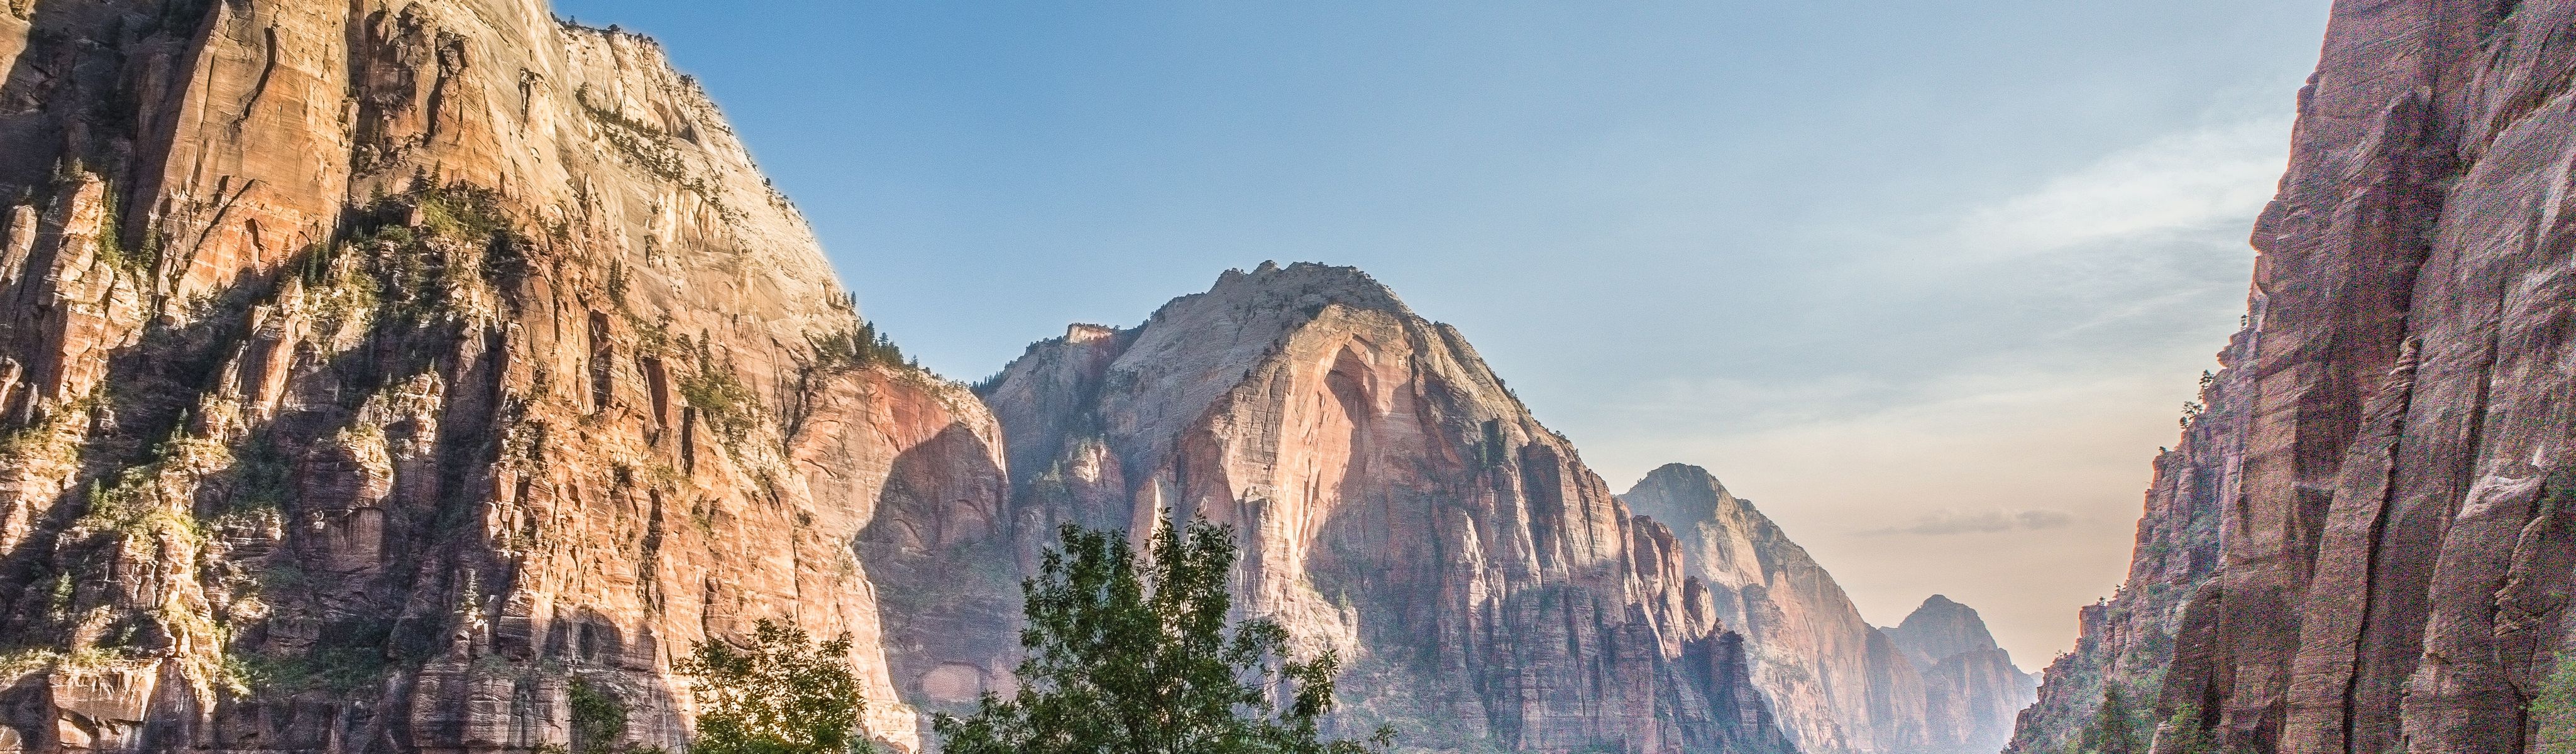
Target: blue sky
1927,280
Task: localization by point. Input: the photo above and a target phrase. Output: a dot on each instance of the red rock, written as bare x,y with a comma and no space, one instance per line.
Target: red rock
2390,568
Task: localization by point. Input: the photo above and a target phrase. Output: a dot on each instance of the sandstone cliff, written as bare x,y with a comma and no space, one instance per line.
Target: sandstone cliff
2397,548
1400,505
376,374
1837,683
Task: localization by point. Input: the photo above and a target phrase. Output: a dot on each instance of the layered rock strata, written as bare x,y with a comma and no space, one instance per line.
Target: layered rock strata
1837,683
376,375
1399,505
2395,556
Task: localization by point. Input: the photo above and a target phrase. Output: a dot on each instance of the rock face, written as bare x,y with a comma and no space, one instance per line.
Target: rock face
1967,678
374,374
2396,550
1837,683
1401,506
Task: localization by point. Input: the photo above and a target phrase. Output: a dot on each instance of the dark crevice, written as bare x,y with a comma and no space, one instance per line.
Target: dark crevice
260,86
2388,485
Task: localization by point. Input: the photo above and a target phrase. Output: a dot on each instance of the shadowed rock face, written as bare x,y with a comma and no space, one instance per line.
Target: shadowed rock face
290,467
1399,506
1837,683
2396,544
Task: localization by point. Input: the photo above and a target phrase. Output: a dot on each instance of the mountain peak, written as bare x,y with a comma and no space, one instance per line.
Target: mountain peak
1680,495
1308,407
1303,286
1686,475
1942,628
1838,685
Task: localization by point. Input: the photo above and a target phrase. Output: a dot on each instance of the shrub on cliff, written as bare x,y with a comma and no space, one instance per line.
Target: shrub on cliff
2183,734
2553,710
782,694
858,346
1135,654
598,719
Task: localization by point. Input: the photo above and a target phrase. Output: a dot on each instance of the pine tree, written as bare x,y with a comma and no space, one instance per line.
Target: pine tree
2183,734
1135,655
2115,726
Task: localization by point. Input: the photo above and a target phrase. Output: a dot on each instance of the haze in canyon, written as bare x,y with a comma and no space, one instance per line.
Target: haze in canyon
1920,278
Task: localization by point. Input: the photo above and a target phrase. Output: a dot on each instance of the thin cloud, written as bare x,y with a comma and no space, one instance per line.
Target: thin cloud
2187,182
1990,394
1947,522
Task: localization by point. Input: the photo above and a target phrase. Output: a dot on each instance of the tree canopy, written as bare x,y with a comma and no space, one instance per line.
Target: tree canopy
782,694
1137,655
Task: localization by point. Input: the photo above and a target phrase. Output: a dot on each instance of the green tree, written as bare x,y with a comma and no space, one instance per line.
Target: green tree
782,694
2115,726
598,720
2553,710
1135,656
2182,733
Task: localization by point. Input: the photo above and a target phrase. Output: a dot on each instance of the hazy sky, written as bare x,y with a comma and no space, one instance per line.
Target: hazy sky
1927,280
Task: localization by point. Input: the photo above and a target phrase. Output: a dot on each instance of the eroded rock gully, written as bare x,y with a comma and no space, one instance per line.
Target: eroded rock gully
2365,546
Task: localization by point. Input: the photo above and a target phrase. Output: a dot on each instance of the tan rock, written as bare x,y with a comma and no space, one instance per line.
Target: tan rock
391,364
1397,505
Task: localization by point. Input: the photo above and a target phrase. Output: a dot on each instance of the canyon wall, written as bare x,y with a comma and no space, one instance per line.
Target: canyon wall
378,375
1836,683
2395,547
1399,505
